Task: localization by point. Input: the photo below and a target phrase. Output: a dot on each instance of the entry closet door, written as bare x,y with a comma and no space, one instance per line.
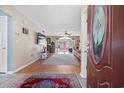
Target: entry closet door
3,44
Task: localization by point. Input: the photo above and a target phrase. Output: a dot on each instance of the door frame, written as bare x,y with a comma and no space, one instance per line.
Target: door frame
84,41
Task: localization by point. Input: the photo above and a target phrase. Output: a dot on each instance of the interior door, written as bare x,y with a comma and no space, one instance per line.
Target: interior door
99,71
3,43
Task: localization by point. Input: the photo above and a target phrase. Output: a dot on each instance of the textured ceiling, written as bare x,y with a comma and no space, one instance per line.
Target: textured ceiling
54,19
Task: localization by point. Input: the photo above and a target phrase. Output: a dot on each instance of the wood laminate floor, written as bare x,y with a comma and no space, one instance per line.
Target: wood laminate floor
38,67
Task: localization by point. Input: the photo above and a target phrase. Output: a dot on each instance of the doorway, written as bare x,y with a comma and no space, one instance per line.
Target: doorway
3,44
65,45
6,42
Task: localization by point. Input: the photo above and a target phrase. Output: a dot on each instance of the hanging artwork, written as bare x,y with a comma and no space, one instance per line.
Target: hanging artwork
25,30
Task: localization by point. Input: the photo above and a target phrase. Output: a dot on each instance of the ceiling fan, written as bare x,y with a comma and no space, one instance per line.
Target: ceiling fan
67,34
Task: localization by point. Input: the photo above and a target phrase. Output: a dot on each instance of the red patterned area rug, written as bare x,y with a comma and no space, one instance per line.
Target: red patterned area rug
32,82
41,80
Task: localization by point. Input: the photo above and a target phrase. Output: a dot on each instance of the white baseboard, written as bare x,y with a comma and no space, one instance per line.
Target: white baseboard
12,72
82,75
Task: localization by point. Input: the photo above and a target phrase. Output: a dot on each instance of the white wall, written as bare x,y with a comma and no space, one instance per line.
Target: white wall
84,41
25,49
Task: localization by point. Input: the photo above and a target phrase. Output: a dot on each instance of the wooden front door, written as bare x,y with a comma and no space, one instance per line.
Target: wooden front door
99,66
106,46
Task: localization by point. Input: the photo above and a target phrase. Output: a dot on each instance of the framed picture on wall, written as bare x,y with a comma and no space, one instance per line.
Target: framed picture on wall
25,30
48,40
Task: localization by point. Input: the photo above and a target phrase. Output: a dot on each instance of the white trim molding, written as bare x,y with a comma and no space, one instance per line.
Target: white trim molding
20,68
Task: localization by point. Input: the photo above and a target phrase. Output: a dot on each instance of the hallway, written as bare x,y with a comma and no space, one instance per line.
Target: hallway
62,68
33,36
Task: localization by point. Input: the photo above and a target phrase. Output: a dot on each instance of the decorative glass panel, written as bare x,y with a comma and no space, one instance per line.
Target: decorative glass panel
98,30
